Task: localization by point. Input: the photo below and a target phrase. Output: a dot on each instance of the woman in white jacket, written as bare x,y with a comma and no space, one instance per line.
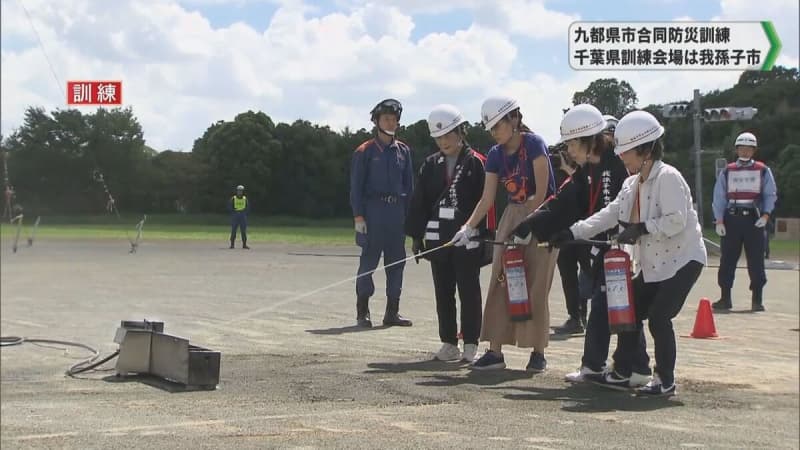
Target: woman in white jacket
655,209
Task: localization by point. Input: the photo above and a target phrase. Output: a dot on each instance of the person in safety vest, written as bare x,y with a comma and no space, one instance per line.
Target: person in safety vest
655,209
381,181
449,185
239,206
519,163
744,198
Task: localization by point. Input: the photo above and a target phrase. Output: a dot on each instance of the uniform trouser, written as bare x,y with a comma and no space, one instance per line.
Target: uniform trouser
598,338
456,269
741,231
239,220
572,258
386,236
659,302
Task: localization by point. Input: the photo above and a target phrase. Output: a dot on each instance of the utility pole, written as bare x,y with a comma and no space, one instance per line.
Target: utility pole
698,169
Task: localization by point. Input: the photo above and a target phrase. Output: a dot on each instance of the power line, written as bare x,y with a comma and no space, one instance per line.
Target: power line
41,47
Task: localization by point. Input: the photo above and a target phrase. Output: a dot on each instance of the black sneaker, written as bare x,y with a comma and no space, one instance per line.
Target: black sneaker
490,361
757,307
537,363
655,389
571,326
611,380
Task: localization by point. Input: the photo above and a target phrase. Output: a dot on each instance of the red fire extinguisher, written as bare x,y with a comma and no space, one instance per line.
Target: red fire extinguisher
619,291
516,282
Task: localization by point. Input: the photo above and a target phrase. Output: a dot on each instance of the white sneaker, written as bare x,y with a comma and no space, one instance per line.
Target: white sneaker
638,379
578,376
448,352
470,350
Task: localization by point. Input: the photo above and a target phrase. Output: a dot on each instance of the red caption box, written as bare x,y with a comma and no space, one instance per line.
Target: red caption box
94,92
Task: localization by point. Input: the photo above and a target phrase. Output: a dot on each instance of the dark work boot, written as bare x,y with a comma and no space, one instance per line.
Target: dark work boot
758,301
244,245
724,303
362,312
231,244
392,317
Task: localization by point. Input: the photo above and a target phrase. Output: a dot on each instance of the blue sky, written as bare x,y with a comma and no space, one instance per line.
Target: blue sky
189,63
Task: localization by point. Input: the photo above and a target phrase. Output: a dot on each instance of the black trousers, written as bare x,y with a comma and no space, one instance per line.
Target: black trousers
659,303
452,270
572,258
598,338
742,232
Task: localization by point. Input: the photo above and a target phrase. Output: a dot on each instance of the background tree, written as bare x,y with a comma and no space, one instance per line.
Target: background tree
609,96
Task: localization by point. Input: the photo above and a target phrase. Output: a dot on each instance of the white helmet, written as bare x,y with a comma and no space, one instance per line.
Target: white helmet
634,129
611,121
495,108
240,188
746,139
443,119
581,120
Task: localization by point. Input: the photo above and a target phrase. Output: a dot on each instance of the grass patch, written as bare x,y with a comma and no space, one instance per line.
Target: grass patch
288,230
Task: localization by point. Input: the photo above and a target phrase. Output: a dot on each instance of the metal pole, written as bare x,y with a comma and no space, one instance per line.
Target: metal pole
698,170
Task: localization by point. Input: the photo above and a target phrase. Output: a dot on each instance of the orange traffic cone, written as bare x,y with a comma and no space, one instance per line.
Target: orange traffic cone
704,322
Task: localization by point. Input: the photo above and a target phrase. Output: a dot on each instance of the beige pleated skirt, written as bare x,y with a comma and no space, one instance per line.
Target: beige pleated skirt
540,265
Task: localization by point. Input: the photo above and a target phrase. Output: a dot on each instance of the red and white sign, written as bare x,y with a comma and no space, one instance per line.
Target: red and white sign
94,93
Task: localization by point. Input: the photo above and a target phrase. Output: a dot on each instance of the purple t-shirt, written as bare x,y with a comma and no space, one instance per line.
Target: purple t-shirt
516,171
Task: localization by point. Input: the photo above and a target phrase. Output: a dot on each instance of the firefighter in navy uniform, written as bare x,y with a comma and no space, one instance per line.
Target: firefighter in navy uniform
381,181
239,207
744,198
449,185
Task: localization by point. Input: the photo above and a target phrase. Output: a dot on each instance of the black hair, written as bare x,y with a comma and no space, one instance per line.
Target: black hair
598,144
654,149
517,114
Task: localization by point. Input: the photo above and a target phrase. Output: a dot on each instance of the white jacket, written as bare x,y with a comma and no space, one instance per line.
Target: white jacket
674,237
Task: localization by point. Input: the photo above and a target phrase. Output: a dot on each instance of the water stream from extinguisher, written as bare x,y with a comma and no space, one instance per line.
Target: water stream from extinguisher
273,306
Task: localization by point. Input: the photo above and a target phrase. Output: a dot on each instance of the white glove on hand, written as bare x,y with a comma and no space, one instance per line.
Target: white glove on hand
473,245
361,226
522,241
463,235
761,222
721,229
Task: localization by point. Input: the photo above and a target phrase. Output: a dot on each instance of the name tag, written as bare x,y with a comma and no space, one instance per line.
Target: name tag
594,251
744,181
447,213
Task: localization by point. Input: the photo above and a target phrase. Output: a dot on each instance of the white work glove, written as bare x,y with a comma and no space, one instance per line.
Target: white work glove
462,237
721,229
761,222
361,226
521,241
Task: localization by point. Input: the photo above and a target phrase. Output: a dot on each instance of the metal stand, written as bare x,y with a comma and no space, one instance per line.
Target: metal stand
144,348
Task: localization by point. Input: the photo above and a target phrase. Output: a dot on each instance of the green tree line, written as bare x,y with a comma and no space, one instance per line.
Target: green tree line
53,159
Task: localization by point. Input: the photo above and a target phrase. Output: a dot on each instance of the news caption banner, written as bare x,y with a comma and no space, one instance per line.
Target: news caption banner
673,45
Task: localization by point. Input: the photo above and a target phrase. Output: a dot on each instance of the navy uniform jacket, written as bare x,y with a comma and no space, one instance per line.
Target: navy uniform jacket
377,171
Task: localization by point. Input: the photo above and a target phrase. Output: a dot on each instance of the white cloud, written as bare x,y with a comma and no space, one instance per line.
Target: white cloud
181,74
784,14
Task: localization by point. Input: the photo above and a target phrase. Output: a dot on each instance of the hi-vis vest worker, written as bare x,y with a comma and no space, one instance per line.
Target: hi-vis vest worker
239,207
239,204
744,197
